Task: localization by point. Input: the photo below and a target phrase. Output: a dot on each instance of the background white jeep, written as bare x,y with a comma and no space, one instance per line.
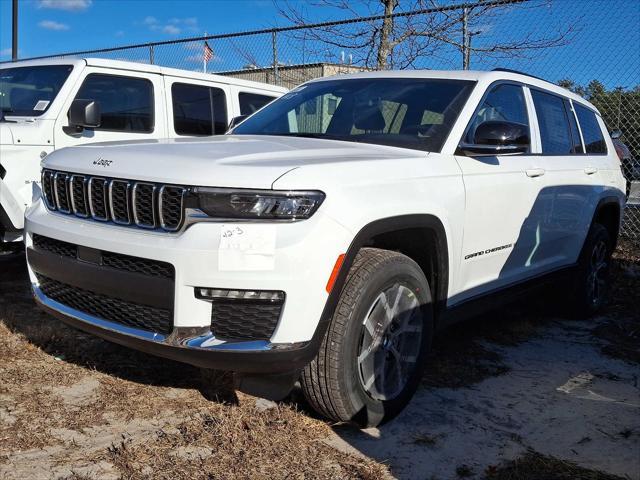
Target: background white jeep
332,233
50,104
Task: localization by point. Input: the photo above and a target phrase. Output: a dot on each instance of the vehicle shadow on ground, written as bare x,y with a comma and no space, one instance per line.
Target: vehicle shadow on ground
20,314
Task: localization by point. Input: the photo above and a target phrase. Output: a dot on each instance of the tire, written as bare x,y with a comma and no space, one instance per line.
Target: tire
345,381
591,281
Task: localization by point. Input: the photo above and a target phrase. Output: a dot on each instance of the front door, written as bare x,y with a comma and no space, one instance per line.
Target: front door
131,104
501,228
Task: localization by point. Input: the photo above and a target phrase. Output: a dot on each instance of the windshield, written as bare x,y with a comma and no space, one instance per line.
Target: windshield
415,113
28,91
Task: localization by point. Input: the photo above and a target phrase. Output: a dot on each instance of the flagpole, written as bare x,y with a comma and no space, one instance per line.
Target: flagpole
204,56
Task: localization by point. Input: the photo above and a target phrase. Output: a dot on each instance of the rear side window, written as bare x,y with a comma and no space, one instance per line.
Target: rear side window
126,103
198,110
593,138
553,120
505,102
252,102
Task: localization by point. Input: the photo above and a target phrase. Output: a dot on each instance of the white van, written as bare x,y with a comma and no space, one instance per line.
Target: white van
50,104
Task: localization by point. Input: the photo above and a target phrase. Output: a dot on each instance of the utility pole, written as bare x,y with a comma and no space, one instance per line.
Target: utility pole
14,44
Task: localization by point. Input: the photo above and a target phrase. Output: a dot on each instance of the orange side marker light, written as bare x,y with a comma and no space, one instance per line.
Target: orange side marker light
335,272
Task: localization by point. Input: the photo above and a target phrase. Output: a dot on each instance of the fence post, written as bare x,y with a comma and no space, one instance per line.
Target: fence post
274,45
151,55
466,39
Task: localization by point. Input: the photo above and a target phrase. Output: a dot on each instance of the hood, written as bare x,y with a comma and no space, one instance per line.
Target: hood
240,161
26,132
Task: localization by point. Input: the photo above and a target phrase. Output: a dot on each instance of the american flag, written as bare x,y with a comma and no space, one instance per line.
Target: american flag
207,52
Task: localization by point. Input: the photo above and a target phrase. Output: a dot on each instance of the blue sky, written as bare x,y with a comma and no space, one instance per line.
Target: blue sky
606,31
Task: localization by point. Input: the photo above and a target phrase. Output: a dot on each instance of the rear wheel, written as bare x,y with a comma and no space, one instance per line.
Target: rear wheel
372,356
591,287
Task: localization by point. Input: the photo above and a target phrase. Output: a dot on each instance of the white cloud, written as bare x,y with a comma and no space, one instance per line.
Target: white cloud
119,33
171,30
69,5
53,25
173,26
5,52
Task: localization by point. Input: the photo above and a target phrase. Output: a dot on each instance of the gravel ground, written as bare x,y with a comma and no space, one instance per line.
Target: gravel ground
516,394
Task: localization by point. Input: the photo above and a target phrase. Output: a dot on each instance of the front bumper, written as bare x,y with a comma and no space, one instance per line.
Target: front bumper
195,346
195,256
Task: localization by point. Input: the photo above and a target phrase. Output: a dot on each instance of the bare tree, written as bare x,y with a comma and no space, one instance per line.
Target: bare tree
398,33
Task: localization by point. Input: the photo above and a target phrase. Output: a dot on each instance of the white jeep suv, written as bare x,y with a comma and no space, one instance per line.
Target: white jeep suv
334,231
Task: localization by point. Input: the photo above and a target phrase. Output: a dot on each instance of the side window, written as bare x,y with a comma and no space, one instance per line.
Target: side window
505,102
593,138
252,102
553,120
126,103
198,110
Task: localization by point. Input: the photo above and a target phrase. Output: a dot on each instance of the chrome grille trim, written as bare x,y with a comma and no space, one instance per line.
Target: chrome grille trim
147,205
60,182
48,189
136,217
161,201
127,206
94,215
74,207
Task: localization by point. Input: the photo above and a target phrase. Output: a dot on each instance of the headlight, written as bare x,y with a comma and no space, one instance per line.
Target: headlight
240,204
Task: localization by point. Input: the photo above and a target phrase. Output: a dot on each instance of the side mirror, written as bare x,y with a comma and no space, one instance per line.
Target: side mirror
498,138
83,114
616,134
236,120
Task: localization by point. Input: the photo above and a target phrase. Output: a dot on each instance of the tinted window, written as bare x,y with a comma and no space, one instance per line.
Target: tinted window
593,138
252,102
126,103
553,121
29,91
413,113
575,133
198,110
505,102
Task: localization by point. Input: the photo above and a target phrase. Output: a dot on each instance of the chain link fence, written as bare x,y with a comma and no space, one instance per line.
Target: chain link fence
591,47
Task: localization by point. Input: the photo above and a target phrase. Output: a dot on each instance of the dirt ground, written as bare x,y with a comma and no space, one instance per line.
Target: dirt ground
517,394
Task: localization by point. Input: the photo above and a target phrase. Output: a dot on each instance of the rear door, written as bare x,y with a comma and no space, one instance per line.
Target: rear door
131,104
500,227
572,183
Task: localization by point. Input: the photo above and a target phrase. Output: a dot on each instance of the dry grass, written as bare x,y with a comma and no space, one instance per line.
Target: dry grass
535,466
65,392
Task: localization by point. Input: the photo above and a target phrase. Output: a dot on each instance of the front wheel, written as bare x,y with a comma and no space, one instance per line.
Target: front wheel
372,356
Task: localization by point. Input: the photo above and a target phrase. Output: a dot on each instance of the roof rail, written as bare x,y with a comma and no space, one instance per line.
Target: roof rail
508,70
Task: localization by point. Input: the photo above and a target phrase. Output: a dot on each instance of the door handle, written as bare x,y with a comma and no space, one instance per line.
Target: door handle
590,170
535,172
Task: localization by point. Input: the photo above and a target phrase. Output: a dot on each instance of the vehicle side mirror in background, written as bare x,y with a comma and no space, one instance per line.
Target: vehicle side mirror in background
236,120
498,138
616,134
83,114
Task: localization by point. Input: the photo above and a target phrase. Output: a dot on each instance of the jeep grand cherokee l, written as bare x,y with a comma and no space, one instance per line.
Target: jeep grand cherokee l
332,233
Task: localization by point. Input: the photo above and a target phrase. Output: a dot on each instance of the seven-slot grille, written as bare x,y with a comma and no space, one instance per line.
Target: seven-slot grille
124,202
